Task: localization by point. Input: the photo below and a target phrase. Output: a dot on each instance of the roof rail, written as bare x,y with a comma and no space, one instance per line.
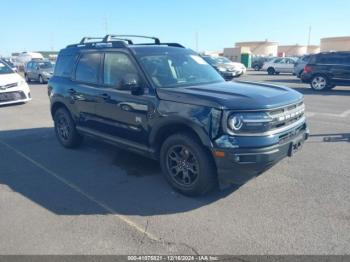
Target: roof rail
85,39
109,38
119,44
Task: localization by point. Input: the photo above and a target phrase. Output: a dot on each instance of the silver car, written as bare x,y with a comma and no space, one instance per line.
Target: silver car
300,64
38,70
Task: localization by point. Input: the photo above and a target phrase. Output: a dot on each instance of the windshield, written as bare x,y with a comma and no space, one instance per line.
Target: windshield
5,69
178,68
9,63
222,60
209,60
45,65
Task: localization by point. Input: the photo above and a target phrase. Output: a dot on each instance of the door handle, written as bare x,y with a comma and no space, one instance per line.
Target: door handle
105,96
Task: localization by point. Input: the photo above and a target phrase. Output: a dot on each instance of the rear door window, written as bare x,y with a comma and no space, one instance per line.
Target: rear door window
64,65
88,68
279,60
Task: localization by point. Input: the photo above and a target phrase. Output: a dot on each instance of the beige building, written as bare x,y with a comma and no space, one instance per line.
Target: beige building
234,53
335,44
292,50
260,48
213,53
313,49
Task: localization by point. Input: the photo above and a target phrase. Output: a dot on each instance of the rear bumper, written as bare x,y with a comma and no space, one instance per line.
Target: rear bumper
240,164
306,78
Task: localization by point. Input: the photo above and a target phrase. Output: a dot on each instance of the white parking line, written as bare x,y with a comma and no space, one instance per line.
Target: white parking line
80,191
341,115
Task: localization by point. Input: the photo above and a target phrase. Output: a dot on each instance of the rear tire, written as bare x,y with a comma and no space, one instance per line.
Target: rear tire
65,129
299,75
319,83
187,165
271,71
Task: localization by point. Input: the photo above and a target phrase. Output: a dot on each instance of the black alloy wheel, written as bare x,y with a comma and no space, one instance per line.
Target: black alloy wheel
182,165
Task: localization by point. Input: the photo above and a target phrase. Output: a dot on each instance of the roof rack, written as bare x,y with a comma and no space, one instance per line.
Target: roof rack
109,38
118,41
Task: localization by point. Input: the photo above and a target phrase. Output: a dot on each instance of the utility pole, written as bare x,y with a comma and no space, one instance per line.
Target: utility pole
309,37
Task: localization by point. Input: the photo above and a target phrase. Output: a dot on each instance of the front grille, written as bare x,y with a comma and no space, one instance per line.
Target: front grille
291,134
286,116
8,86
12,96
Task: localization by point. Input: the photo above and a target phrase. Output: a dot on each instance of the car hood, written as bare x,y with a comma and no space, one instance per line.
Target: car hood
49,70
232,95
6,79
230,65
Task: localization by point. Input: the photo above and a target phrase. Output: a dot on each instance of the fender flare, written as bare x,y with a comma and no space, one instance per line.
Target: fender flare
195,126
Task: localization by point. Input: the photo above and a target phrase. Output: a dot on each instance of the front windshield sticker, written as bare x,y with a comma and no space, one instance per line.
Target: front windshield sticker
198,59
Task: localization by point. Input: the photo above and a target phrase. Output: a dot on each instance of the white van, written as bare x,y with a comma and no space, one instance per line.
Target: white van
23,58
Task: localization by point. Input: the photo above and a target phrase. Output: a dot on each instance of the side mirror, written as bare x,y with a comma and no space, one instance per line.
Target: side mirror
132,82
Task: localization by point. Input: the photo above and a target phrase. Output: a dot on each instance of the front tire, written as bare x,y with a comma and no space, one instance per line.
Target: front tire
271,71
41,80
65,130
256,68
187,165
27,78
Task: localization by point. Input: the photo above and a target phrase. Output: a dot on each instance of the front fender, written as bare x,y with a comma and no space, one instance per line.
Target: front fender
204,121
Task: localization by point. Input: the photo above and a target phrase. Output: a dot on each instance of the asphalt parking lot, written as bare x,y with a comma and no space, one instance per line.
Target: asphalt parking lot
102,200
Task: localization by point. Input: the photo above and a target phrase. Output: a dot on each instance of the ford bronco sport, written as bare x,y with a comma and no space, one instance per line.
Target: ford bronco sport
165,102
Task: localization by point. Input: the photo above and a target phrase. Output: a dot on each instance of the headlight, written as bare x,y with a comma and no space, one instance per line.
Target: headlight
21,82
235,122
222,69
46,73
252,122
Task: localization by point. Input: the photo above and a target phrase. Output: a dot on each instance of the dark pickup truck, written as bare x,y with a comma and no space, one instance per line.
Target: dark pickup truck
165,102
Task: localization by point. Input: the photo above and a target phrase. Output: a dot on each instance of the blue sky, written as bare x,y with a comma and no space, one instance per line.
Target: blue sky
44,25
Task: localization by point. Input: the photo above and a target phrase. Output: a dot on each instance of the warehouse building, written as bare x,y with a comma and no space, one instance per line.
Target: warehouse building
260,48
335,44
292,50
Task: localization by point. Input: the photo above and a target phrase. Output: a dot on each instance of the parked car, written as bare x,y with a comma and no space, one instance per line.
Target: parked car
324,71
279,65
227,69
258,62
38,70
165,102
300,64
13,88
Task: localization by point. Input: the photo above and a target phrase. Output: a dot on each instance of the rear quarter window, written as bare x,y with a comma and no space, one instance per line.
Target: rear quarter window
64,65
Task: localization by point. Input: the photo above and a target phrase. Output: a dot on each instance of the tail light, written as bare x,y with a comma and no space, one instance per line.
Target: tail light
307,69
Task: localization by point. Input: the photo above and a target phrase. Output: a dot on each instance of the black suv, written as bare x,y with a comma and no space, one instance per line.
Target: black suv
165,102
324,71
